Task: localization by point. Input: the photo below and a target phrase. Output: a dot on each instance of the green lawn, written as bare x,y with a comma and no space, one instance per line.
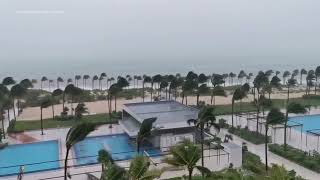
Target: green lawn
54,123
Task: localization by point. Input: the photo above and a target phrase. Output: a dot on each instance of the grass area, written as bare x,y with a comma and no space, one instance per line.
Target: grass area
298,156
246,134
55,123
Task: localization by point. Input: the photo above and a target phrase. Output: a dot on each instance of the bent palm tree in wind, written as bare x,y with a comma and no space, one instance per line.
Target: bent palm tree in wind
206,119
59,80
45,102
238,94
146,79
17,92
302,72
94,78
317,74
85,79
7,81
310,81
76,134
54,94
26,83
43,79
4,99
275,116
285,75
186,154
145,131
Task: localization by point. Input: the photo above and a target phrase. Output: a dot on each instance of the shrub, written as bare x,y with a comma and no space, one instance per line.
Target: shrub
298,156
248,135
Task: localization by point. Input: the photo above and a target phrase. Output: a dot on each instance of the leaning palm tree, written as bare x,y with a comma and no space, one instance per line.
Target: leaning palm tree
186,154
4,99
275,116
7,81
317,74
45,102
145,131
76,134
26,83
146,79
17,92
238,94
294,108
85,78
54,94
43,79
206,117
285,75
104,157
94,78
59,80
302,72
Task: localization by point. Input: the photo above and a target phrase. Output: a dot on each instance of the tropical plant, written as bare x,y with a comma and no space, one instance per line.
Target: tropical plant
275,116
241,75
7,81
85,79
59,80
104,157
144,131
164,85
206,119
72,91
45,102
146,79
186,154
238,94
94,78
26,83
54,94
17,92
76,80
317,74
216,80
76,134
302,72
43,79
80,110
285,75
310,80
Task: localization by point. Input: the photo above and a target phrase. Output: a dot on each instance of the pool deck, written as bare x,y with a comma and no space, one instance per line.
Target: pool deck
294,139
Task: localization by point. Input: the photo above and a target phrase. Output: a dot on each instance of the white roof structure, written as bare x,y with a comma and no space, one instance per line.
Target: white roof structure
169,114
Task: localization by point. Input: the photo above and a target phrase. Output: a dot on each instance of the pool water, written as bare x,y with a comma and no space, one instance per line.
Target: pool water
13,156
119,146
309,122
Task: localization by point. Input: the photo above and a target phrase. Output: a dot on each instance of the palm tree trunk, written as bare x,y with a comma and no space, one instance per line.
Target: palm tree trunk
41,121
66,164
285,123
52,107
190,173
232,112
14,110
151,92
198,99
300,79
266,147
8,114
202,153
142,91
2,120
115,103
315,86
63,100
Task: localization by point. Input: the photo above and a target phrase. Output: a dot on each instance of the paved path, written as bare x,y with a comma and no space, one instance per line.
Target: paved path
275,159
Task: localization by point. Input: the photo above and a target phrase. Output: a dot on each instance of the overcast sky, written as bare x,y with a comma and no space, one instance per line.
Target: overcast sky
125,31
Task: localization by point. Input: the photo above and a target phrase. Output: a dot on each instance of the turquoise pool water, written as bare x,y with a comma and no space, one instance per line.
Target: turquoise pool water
309,122
12,156
118,145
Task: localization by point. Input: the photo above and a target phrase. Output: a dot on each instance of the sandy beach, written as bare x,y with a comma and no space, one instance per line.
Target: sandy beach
33,113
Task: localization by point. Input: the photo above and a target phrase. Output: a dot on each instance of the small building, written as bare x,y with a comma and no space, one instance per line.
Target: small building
171,125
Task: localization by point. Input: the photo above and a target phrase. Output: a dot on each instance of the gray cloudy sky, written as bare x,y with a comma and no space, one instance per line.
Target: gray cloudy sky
118,32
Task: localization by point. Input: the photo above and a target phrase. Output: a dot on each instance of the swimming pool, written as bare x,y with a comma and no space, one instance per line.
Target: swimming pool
309,121
12,156
118,145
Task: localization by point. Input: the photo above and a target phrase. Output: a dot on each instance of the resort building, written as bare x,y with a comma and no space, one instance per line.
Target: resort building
170,127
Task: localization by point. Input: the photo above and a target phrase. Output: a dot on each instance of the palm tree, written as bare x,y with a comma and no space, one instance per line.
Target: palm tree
186,154
94,78
164,85
43,79
114,89
317,74
55,93
310,80
285,75
72,91
206,117
45,102
216,80
76,134
146,79
302,72
237,95
17,92
157,79
218,91
277,73
274,83
104,157
102,77
76,80
4,99
59,80
275,116
241,75
69,81
294,108
138,170
80,110
50,83
295,73
225,76
144,131
231,77
7,81
173,86
85,78
26,83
